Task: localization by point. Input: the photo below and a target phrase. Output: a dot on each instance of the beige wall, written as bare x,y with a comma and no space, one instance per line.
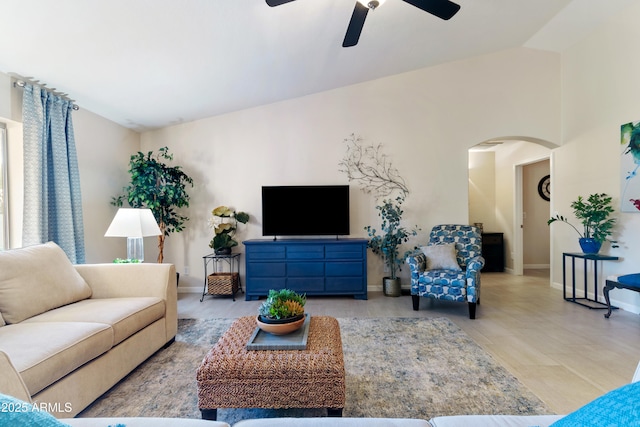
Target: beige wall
600,92
426,120
103,150
482,189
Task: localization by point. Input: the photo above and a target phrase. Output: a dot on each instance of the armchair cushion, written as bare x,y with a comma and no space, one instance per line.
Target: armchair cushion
441,257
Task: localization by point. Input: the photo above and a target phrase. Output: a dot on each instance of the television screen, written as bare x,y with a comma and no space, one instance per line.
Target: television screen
305,210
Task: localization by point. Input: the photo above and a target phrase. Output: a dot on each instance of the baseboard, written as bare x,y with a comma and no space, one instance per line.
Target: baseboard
537,266
189,289
614,302
198,289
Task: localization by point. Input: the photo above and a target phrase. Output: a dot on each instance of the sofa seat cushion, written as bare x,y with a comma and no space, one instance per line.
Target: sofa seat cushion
495,420
456,279
44,353
125,315
35,279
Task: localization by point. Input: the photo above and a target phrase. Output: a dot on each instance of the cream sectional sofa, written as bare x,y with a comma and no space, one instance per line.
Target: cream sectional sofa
69,333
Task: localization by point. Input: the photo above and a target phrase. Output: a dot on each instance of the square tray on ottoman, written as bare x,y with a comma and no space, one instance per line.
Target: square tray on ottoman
231,376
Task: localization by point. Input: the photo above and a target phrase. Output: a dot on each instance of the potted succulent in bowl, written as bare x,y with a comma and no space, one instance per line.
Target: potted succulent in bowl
282,312
387,243
225,223
594,213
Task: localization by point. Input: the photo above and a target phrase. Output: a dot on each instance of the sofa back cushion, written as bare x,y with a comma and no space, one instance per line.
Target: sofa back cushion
36,279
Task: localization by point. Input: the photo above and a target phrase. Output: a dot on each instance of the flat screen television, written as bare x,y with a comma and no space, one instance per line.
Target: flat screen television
305,210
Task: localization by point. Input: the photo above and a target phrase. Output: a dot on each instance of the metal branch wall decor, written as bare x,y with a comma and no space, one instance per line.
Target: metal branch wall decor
371,169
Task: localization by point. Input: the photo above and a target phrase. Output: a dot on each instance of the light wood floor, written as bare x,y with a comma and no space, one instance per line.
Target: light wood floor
565,353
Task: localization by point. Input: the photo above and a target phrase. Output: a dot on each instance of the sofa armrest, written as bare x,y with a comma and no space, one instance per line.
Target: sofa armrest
135,280
11,382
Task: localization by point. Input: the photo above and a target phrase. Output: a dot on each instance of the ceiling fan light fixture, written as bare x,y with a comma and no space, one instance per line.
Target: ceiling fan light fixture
371,4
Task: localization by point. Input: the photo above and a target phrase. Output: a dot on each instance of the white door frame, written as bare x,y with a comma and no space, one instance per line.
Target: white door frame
518,218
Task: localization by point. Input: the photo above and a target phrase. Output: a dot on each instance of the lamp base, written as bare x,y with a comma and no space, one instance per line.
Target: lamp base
135,248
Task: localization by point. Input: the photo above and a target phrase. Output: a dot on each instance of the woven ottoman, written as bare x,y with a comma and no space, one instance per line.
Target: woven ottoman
231,376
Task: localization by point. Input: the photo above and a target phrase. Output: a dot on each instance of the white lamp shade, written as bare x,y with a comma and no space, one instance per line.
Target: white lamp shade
130,222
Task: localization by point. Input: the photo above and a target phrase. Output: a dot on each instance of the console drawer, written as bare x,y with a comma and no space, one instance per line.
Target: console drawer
336,269
305,252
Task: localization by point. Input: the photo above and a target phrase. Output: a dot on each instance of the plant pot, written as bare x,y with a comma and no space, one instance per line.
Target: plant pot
589,246
280,326
223,251
391,287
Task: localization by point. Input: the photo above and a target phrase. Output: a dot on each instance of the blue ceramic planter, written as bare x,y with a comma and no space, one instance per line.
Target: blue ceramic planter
589,246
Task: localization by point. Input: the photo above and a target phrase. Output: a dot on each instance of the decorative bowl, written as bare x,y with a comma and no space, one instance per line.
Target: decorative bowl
280,326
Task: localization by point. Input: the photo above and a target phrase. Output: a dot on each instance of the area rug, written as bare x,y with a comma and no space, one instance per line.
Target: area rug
395,367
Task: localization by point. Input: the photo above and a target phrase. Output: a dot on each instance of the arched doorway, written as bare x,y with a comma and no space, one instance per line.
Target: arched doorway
498,191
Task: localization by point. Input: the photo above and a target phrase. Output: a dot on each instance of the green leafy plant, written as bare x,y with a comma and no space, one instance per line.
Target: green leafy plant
225,223
594,214
125,261
159,187
392,234
282,304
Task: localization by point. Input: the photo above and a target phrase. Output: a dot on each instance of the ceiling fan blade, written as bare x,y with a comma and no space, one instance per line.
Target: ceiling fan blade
273,3
443,9
355,25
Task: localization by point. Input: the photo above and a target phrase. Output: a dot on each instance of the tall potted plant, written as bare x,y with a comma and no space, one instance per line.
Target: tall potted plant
594,214
386,244
159,187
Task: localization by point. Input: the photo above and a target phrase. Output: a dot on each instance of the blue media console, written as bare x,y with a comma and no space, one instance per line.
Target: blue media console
311,266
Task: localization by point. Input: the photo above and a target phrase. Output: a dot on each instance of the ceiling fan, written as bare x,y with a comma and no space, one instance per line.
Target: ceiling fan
443,9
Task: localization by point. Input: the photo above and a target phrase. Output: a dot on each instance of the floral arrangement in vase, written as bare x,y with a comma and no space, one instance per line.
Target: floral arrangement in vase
225,223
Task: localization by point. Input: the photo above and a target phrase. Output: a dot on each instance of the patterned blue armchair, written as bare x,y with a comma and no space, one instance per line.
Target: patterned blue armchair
448,268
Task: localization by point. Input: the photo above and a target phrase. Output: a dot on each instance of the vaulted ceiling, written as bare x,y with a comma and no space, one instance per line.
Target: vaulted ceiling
152,63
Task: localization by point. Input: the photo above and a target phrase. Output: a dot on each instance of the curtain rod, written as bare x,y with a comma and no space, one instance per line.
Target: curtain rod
22,81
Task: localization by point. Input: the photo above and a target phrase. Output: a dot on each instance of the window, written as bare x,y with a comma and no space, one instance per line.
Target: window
4,197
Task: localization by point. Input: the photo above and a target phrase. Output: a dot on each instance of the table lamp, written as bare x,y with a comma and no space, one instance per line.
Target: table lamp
134,224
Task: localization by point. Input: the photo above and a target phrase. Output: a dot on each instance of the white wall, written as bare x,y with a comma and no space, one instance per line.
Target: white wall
426,121
600,92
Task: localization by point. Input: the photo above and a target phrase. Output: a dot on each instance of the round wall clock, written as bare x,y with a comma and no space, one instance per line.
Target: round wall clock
544,187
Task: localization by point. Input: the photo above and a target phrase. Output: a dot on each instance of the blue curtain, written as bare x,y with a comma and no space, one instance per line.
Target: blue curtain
52,201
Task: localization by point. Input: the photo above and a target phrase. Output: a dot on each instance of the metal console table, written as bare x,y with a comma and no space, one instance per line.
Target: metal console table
585,301
232,278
